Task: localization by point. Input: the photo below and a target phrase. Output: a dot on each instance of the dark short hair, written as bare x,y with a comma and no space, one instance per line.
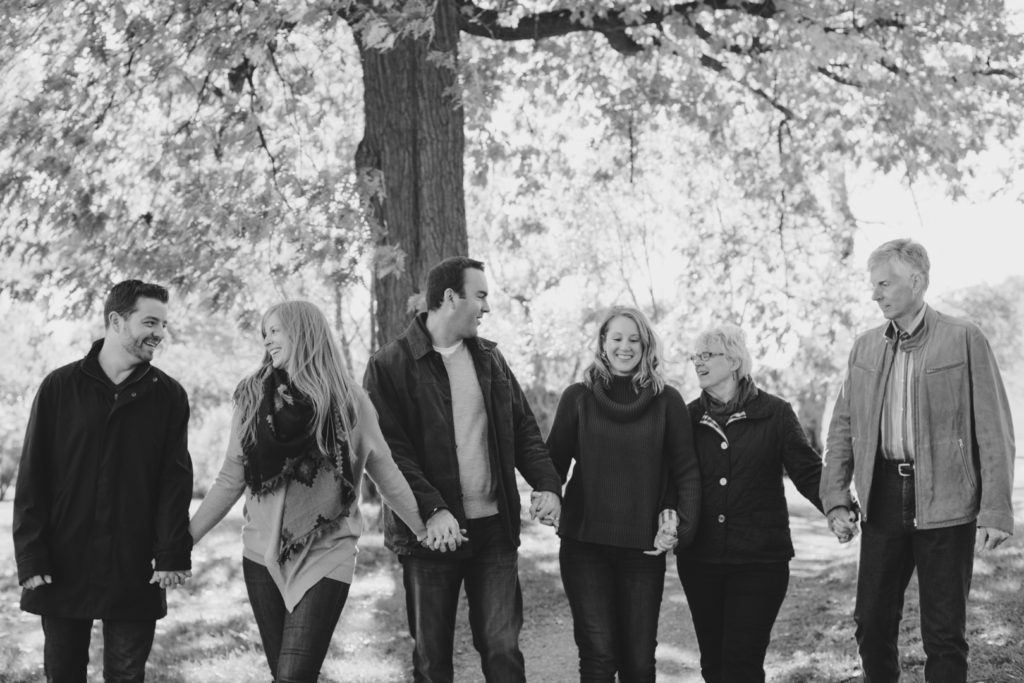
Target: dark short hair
448,274
124,297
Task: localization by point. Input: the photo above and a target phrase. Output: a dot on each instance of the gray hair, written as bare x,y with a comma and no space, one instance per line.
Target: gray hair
732,339
906,251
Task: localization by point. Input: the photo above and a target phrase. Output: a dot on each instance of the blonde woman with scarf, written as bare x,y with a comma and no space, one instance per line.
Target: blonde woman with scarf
303,434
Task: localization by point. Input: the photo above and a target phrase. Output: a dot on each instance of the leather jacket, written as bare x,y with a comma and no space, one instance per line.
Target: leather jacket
963,430
408,384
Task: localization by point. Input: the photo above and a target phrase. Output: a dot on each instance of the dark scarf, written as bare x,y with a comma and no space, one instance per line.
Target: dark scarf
284,453
721,412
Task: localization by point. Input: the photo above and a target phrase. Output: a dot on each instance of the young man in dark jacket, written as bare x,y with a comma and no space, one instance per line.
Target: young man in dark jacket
459,426
103,491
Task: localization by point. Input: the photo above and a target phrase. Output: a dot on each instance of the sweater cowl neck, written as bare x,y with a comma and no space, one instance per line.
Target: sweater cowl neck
619,400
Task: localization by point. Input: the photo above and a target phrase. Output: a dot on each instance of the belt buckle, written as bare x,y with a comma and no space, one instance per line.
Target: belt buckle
905,469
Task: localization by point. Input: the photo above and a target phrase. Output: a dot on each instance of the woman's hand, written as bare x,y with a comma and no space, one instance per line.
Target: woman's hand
668,533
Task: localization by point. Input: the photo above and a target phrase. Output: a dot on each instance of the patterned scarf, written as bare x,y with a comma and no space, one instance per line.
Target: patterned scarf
720,411
284,453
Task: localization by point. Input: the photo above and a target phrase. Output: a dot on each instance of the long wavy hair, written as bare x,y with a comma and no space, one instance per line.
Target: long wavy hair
315,369
647,372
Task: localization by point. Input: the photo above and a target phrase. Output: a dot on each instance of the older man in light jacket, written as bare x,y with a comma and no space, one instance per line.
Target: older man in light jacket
922,428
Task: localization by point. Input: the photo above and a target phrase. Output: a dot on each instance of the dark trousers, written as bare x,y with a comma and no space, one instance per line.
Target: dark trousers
615,598
295,642
890,550
491,576
126,646
733,607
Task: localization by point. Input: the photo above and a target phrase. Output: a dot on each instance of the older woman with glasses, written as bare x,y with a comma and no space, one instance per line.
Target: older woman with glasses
736,573
633,495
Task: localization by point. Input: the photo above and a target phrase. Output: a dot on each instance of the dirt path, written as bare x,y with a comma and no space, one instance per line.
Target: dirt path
209,633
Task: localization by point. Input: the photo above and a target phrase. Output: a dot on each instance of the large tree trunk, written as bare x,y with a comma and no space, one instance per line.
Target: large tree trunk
414,137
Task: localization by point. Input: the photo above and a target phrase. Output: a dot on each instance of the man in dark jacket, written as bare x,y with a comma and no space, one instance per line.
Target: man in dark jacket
103,491
459,426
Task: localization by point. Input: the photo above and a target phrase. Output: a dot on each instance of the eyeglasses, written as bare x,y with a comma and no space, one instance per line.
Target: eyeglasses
703,356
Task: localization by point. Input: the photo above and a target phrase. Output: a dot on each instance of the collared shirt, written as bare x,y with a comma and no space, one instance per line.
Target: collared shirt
899,403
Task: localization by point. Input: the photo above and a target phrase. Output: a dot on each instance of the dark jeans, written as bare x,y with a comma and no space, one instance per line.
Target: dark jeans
295,642
615,598
734,607
491,576
890,549
126,646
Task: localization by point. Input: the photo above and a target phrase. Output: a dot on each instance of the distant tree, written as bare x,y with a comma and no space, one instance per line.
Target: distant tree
999,311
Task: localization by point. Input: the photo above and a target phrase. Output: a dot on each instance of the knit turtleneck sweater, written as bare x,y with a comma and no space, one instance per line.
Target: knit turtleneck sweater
633,457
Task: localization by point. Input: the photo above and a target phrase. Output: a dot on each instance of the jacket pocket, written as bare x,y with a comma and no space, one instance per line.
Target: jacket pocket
965,461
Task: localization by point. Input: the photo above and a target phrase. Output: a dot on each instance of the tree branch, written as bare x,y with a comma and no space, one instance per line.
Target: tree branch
486,23
710,62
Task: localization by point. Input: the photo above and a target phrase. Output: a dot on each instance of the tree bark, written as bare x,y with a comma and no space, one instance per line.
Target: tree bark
414,139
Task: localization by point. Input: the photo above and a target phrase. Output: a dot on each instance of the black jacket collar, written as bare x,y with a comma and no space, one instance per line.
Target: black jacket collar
420,343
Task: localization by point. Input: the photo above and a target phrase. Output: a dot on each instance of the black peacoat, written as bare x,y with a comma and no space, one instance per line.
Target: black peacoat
103,491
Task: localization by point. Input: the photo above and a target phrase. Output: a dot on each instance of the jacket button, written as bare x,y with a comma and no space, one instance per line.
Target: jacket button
721,518
723,481
724,445
154,379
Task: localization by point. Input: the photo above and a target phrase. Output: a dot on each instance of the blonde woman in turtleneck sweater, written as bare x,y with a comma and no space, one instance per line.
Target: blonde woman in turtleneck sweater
634,494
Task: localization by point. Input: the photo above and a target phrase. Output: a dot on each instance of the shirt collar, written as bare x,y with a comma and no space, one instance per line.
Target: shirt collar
894,332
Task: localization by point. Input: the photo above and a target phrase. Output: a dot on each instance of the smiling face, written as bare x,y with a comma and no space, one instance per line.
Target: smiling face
898,291
276,341
142,330
466,311
622,346
717,374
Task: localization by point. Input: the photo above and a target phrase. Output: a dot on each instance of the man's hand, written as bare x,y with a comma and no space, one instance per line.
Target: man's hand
546,507
443,532
667,537
842,521
989,538
37,581
170,579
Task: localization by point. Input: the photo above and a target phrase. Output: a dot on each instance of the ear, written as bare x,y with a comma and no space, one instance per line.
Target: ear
919,282
115,321
449,295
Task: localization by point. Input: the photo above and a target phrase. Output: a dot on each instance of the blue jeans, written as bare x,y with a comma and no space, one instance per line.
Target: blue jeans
491,576
734,607
295,642
126,646
890,549
615,598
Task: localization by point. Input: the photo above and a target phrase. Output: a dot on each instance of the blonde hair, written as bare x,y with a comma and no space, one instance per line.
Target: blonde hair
647,373
314,368
734,343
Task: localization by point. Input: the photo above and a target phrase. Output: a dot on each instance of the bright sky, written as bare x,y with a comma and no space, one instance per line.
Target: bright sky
969,242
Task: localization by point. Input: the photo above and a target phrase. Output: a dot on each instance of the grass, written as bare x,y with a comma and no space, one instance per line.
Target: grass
209,634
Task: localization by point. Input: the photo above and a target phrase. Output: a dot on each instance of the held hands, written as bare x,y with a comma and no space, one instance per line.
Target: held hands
842,521
170,579
546,507
668,533
443,532
989,538
36,581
